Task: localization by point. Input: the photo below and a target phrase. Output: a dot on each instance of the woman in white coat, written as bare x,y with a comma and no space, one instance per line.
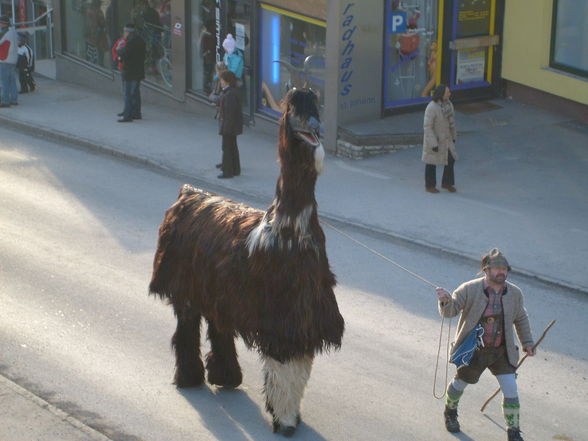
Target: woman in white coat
439,140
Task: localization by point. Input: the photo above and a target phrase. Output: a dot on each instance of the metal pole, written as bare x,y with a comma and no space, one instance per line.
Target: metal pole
13,14
50,33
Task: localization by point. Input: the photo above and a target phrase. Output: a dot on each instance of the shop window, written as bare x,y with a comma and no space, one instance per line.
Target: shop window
292,54
93,26
569,45
411,49
86,34
203,39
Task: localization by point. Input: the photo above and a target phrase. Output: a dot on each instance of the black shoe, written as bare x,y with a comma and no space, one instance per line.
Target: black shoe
137,117
223,176
219,166
14,104
514,435
451,423
125,120
4,105
120,114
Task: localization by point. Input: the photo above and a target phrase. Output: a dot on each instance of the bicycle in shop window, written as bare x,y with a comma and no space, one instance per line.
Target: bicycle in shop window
158,52
309,76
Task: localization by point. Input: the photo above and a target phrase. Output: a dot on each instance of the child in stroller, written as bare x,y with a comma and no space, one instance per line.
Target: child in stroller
25,64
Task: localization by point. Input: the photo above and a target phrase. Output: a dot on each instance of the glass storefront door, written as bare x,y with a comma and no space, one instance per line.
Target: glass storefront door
239,26
203,45
472,43
232,17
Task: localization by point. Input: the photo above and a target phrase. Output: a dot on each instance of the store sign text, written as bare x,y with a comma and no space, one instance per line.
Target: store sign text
346,66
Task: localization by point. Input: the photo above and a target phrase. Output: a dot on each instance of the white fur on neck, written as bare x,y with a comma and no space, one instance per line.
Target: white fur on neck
319,158
263,236
284,386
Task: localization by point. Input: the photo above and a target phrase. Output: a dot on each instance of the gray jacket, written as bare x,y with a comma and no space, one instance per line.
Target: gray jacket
470,300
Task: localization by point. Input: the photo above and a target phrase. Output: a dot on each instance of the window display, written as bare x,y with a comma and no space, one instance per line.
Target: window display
86,35
93,26
569,47
292,54
410,51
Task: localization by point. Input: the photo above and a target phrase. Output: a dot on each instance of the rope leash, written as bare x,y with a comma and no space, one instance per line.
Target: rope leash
439,397
387,259
422,279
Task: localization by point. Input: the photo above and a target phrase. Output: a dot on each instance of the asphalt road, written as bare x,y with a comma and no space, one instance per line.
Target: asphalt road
77,328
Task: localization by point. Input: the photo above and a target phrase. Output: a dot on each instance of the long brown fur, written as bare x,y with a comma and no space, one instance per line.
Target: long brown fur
277,294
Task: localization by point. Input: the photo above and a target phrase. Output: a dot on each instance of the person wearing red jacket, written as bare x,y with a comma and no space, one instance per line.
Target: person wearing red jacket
118,44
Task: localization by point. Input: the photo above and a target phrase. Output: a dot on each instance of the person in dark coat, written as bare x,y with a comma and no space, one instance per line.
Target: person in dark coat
230,116
132,56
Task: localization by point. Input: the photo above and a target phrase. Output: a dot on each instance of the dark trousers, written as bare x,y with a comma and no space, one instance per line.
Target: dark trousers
231,163
448,176
132,93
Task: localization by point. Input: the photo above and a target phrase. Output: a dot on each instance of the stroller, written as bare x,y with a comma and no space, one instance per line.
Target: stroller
25,65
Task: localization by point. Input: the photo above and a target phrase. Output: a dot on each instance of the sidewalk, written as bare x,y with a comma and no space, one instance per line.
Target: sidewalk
26,417
521,177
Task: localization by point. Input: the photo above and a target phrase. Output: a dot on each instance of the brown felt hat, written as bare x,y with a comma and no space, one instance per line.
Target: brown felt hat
493,259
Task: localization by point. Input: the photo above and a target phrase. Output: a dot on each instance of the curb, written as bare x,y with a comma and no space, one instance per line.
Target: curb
63,416
56,135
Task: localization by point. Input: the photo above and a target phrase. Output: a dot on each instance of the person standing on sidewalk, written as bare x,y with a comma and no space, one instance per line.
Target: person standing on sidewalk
497,305
8,59
230,118
132,55
439,140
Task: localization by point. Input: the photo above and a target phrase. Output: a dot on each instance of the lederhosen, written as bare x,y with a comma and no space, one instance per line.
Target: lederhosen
493,355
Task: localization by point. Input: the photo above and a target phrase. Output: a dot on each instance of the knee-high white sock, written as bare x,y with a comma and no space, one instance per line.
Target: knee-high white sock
284,387
510,401
454,392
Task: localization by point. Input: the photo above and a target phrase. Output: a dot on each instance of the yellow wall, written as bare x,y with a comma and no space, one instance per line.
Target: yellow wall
527,40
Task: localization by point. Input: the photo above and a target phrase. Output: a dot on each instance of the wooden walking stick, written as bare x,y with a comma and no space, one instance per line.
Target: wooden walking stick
520,362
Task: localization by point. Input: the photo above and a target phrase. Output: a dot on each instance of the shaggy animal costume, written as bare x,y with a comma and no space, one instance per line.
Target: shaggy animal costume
263,275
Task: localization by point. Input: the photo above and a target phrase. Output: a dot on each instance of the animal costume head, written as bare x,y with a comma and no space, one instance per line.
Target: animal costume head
301,122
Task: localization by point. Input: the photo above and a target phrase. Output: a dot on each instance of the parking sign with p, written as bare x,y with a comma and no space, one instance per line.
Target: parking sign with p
397,22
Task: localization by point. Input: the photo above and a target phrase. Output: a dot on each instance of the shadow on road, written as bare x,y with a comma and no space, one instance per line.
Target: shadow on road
232,414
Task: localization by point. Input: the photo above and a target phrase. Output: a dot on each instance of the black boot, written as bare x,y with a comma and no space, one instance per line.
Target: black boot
514,434
451,423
